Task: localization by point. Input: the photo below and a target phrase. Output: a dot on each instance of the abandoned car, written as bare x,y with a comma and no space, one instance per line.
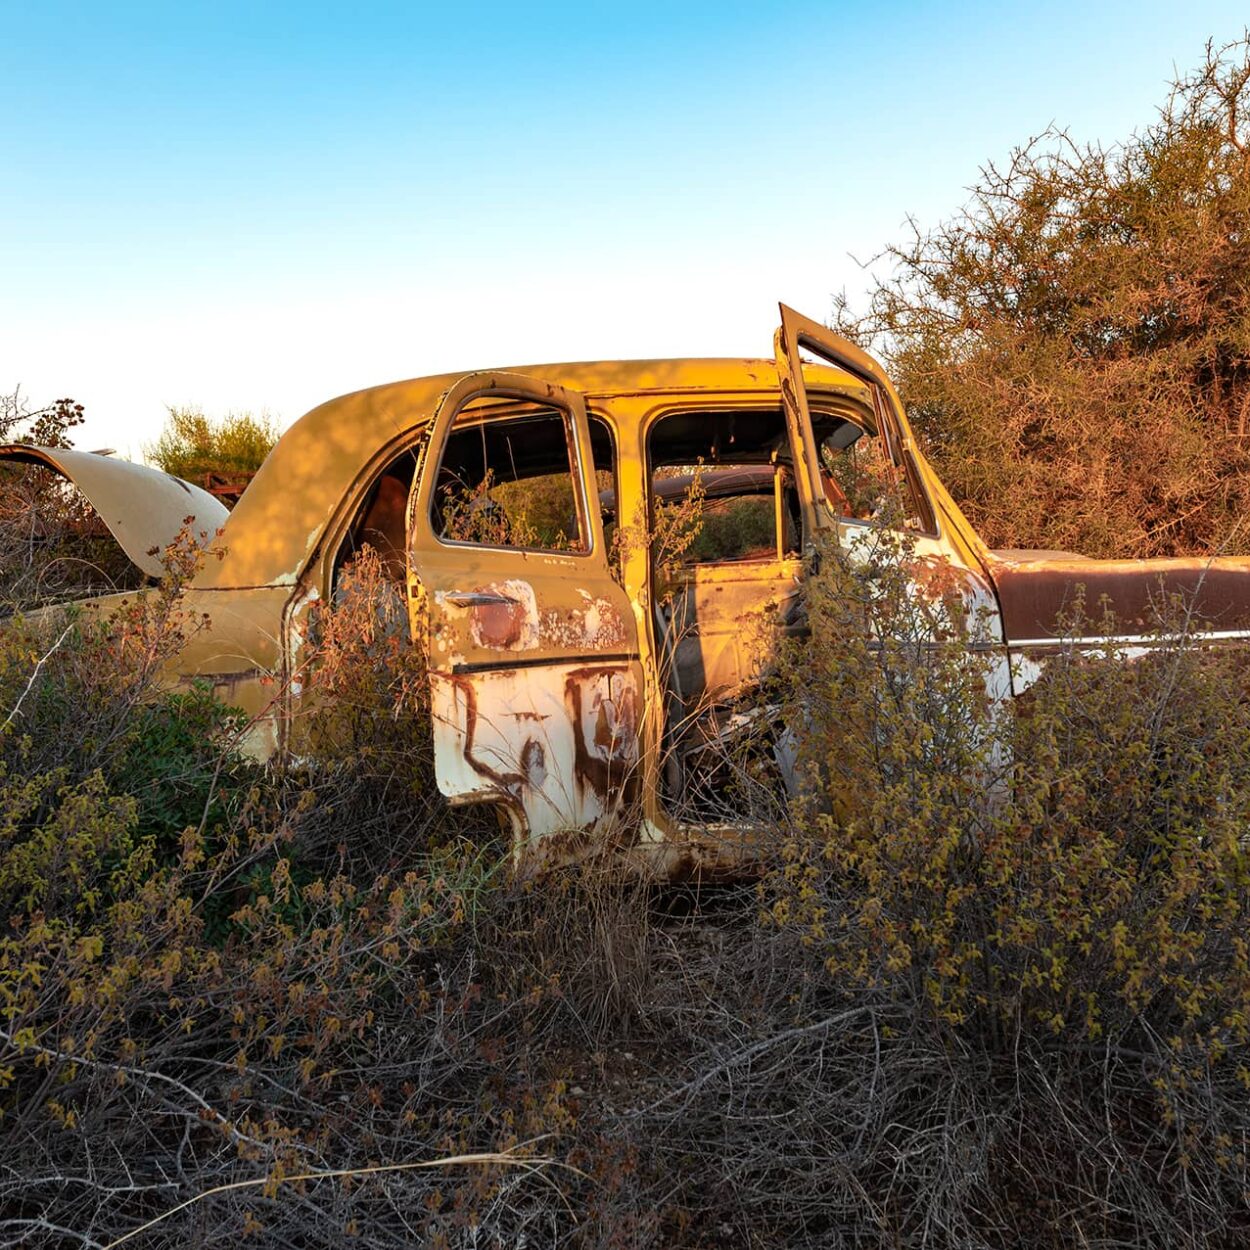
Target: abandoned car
566,689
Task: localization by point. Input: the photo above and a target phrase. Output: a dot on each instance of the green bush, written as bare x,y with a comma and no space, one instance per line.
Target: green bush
202,966
1054,889
1070,860
181,762
195,447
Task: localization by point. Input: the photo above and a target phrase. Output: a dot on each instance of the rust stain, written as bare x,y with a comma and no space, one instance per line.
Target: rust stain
508,782
498,625
501,616
534,764
1034,596
560,848
604,758
605,736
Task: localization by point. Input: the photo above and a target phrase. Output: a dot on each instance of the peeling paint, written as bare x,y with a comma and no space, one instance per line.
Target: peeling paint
594,623
603,703
502,616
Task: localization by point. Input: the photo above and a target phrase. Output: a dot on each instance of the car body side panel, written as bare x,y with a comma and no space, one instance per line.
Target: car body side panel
1037,594
556,745
235,642
728,615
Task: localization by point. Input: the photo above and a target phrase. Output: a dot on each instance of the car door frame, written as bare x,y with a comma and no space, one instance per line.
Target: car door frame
535,674
944,539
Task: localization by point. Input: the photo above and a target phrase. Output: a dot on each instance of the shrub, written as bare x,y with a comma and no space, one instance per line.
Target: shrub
224,453
991,989
194,972
1054,893
1072,345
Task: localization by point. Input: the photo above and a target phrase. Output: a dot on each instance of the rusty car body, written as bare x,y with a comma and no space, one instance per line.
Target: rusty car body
566,689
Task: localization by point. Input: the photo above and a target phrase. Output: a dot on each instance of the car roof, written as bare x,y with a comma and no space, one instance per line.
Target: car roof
281,516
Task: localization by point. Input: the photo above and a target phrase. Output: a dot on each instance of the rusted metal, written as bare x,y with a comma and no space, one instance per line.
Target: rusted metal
227,489
1037,594
603,703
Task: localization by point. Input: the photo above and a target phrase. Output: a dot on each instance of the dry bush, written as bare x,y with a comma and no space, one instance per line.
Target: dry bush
246,999
577,942
363,726
1072,345
992,990
999,994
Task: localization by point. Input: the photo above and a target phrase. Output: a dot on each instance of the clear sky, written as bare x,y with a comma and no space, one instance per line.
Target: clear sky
263,205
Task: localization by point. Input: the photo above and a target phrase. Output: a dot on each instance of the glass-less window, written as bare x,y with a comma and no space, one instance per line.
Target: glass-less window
861,483
735,510
509,478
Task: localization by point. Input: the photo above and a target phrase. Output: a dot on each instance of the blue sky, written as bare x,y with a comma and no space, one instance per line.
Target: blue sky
261,206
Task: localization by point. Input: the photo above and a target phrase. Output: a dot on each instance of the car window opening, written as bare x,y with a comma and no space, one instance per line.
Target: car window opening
509,478
726,532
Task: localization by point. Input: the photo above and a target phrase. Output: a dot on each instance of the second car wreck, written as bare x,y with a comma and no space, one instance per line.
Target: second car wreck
578,675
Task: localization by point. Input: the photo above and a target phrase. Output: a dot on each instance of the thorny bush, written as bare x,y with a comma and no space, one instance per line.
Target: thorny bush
1053,891
1072,345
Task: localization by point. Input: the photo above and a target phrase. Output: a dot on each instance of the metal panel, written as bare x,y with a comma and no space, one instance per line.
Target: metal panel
536,679
143,508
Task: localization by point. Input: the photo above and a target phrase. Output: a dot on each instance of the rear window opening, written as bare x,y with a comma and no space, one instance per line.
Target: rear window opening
510,478
380,520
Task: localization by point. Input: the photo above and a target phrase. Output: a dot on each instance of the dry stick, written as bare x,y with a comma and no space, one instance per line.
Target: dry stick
43,659
529,1164
750,1052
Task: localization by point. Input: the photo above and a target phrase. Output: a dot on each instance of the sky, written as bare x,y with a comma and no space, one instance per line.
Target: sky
256,207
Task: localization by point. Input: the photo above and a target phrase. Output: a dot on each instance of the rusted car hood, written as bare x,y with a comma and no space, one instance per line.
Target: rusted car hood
143,508
1038,589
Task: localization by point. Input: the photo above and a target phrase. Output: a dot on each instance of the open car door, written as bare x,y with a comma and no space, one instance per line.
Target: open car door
942,547
535,674
798,334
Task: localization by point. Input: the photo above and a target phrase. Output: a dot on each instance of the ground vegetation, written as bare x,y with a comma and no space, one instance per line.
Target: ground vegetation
990,987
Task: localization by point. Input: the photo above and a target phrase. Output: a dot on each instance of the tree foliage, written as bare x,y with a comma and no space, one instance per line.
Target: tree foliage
1074,345
48,426
195,447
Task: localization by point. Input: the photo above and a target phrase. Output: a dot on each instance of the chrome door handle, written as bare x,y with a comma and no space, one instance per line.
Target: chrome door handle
476,598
